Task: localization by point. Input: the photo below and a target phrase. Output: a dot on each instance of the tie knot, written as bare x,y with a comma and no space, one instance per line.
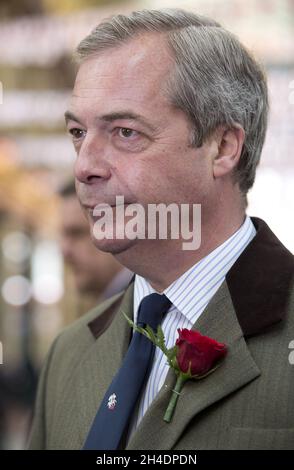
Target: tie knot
152,309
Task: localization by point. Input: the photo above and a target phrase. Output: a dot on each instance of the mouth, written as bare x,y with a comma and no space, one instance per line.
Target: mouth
97,211
102,205
113,203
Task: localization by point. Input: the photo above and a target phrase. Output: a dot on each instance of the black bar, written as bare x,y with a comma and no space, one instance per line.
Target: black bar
126,459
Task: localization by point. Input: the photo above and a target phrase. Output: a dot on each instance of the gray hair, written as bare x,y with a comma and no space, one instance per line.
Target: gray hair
215,81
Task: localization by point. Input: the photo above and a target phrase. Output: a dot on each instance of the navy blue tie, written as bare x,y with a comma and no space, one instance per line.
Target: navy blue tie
123,393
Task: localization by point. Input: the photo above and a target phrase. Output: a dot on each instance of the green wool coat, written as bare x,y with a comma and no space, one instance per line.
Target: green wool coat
247,403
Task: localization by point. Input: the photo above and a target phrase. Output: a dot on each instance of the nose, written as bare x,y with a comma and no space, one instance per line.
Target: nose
91,164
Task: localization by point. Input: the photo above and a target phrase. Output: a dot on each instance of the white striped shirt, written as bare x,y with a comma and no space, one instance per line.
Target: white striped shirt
189,295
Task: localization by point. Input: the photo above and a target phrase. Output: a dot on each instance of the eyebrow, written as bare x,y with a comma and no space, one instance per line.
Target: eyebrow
69,116
110,117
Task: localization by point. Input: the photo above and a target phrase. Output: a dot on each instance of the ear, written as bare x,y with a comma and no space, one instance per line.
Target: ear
230,144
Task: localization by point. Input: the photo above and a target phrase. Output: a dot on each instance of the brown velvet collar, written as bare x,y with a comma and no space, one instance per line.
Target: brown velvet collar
259,283
260,280
102,322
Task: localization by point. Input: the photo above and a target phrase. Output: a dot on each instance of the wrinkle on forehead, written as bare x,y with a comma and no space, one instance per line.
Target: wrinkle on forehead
146,58
132,76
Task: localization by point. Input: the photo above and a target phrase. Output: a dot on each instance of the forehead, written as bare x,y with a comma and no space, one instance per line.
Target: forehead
134,72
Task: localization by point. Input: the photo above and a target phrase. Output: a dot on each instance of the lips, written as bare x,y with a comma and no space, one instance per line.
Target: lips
103,204
111,203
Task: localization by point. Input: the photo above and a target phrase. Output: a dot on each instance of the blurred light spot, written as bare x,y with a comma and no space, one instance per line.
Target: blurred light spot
16,290
47,289
16,247
47,272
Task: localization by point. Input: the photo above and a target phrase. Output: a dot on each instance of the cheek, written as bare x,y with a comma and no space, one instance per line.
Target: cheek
193,168
167,174
153,179
137,179
185,175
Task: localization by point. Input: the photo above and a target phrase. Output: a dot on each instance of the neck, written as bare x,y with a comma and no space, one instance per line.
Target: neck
161,262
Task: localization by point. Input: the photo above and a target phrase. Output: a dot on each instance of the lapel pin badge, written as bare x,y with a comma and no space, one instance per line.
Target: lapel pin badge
112,401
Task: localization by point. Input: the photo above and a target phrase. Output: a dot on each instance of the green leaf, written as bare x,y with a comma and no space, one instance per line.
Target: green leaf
151,334
148,331
171,357
161,340
130,322
137,328
172,352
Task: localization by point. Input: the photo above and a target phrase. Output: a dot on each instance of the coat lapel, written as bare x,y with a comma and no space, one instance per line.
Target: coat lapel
101,362
220,322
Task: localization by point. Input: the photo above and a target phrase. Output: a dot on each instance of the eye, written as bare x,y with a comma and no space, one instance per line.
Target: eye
76,133
126,133
129,140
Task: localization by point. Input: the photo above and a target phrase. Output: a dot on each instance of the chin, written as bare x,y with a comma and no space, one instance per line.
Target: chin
113,246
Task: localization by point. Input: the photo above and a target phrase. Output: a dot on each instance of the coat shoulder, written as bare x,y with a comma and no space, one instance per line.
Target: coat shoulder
75,339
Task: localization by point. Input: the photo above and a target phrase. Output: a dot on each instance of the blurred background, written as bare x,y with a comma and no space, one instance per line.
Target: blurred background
49,272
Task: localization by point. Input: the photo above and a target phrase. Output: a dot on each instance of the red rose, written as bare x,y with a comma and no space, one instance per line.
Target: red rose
199,352
194,356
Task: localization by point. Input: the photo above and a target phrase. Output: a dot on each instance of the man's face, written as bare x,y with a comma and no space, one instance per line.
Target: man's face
129,139
92,269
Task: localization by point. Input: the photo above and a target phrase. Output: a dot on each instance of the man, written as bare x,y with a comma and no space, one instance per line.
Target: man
97,275
168,107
